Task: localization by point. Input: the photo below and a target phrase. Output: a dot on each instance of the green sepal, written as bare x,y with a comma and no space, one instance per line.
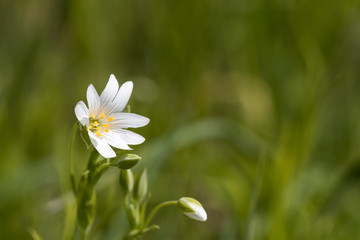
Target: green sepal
151,228
85,135
141,186
184,206
128,108
133,233
128,161
137,232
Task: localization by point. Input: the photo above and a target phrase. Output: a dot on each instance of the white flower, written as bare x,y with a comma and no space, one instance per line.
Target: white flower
192,209
105,120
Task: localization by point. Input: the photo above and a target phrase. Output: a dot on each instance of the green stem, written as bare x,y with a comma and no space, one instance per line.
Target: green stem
255,193
71,170
101,167
83,235
156,209
142,213
129,216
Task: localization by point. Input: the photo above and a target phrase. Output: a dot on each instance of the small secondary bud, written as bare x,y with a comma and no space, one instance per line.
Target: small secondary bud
128,161
192,209
141,186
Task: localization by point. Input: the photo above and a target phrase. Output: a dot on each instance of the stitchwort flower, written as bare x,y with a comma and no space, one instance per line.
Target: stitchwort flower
105,121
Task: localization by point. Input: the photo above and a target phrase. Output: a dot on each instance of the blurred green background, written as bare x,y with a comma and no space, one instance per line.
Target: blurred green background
254,109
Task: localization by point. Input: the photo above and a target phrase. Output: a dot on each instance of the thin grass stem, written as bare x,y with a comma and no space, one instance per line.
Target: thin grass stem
71,169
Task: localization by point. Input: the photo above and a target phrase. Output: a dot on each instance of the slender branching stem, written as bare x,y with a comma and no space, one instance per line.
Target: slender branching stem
71,170
142,212
102,167
156,209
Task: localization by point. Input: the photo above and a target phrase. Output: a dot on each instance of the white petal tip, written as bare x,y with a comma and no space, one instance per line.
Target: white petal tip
81,112
112,77
106,153
128,85
203,217
125,148
101,146
109,156
145,121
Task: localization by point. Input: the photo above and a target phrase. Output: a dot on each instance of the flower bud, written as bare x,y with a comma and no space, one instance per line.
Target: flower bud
192,209
140,188
126,180
128,161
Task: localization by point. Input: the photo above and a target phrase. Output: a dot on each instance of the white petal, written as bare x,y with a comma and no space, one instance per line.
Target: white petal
115,140
129,120
123,96
109,93
130,137
101,146
93,99
199,214
82,113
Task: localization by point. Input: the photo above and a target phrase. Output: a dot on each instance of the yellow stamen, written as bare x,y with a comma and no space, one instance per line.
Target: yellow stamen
105,125
90,127
93,116
106,130
96,123
110,119
98,133
102,115
98,128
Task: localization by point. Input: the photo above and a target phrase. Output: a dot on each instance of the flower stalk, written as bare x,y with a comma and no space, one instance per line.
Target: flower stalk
71,169
157,208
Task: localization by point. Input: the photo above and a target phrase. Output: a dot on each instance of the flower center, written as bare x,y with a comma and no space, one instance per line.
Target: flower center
97,124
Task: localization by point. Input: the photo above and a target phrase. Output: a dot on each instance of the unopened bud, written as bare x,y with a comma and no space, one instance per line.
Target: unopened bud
192,209
141,186
128,161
